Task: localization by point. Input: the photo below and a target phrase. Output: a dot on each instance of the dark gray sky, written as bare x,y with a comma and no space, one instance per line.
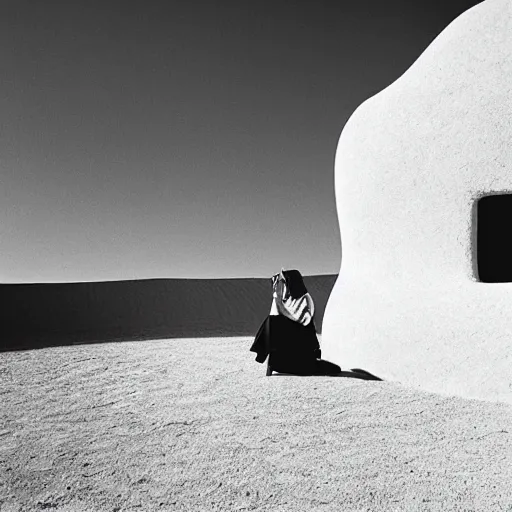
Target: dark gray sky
186,138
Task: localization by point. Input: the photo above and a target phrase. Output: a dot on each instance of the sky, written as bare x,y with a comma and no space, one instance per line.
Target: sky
185,138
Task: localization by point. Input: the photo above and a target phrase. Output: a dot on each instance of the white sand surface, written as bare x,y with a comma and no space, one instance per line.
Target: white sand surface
194,424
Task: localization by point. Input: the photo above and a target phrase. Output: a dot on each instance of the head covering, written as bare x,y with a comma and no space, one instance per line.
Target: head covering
291,298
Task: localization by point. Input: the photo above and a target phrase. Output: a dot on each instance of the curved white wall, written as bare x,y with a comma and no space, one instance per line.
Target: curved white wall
411,162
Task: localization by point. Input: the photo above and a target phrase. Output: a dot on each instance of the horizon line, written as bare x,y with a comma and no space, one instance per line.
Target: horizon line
18,283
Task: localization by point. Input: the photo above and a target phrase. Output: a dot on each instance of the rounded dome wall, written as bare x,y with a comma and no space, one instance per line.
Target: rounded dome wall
411,164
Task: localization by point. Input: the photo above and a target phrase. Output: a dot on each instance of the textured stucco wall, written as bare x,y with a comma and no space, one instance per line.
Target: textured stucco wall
410,165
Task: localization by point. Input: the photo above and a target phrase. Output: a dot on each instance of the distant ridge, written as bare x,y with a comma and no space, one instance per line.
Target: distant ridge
40,315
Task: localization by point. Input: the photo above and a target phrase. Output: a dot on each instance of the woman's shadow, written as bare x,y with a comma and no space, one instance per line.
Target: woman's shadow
288,336
355,373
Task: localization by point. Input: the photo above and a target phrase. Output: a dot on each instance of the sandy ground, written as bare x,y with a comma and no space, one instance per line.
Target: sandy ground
37,315
194,424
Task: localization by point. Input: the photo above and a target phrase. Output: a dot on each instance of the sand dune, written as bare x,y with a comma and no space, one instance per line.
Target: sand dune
37,315
194,425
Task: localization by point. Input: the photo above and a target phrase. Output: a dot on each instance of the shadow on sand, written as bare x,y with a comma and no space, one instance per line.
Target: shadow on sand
54,314
356,373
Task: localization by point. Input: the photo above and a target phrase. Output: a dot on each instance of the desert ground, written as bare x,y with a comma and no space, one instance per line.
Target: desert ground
194,425
37,315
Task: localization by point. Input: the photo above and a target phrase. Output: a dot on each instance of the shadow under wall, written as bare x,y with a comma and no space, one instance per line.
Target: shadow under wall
42,315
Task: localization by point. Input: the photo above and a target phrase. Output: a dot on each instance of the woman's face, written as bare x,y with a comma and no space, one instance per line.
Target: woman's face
276,278
278,281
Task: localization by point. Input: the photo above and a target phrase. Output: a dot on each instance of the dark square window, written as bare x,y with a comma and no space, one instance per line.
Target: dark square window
494,238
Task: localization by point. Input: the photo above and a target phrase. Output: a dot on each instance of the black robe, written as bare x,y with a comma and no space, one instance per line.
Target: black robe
291,347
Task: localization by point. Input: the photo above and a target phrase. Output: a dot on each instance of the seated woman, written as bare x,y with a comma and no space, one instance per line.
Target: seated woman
288,334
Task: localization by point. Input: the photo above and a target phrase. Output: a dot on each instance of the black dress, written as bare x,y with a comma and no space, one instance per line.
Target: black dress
291,347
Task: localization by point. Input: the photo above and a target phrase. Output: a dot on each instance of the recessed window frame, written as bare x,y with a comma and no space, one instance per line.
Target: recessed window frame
480,260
